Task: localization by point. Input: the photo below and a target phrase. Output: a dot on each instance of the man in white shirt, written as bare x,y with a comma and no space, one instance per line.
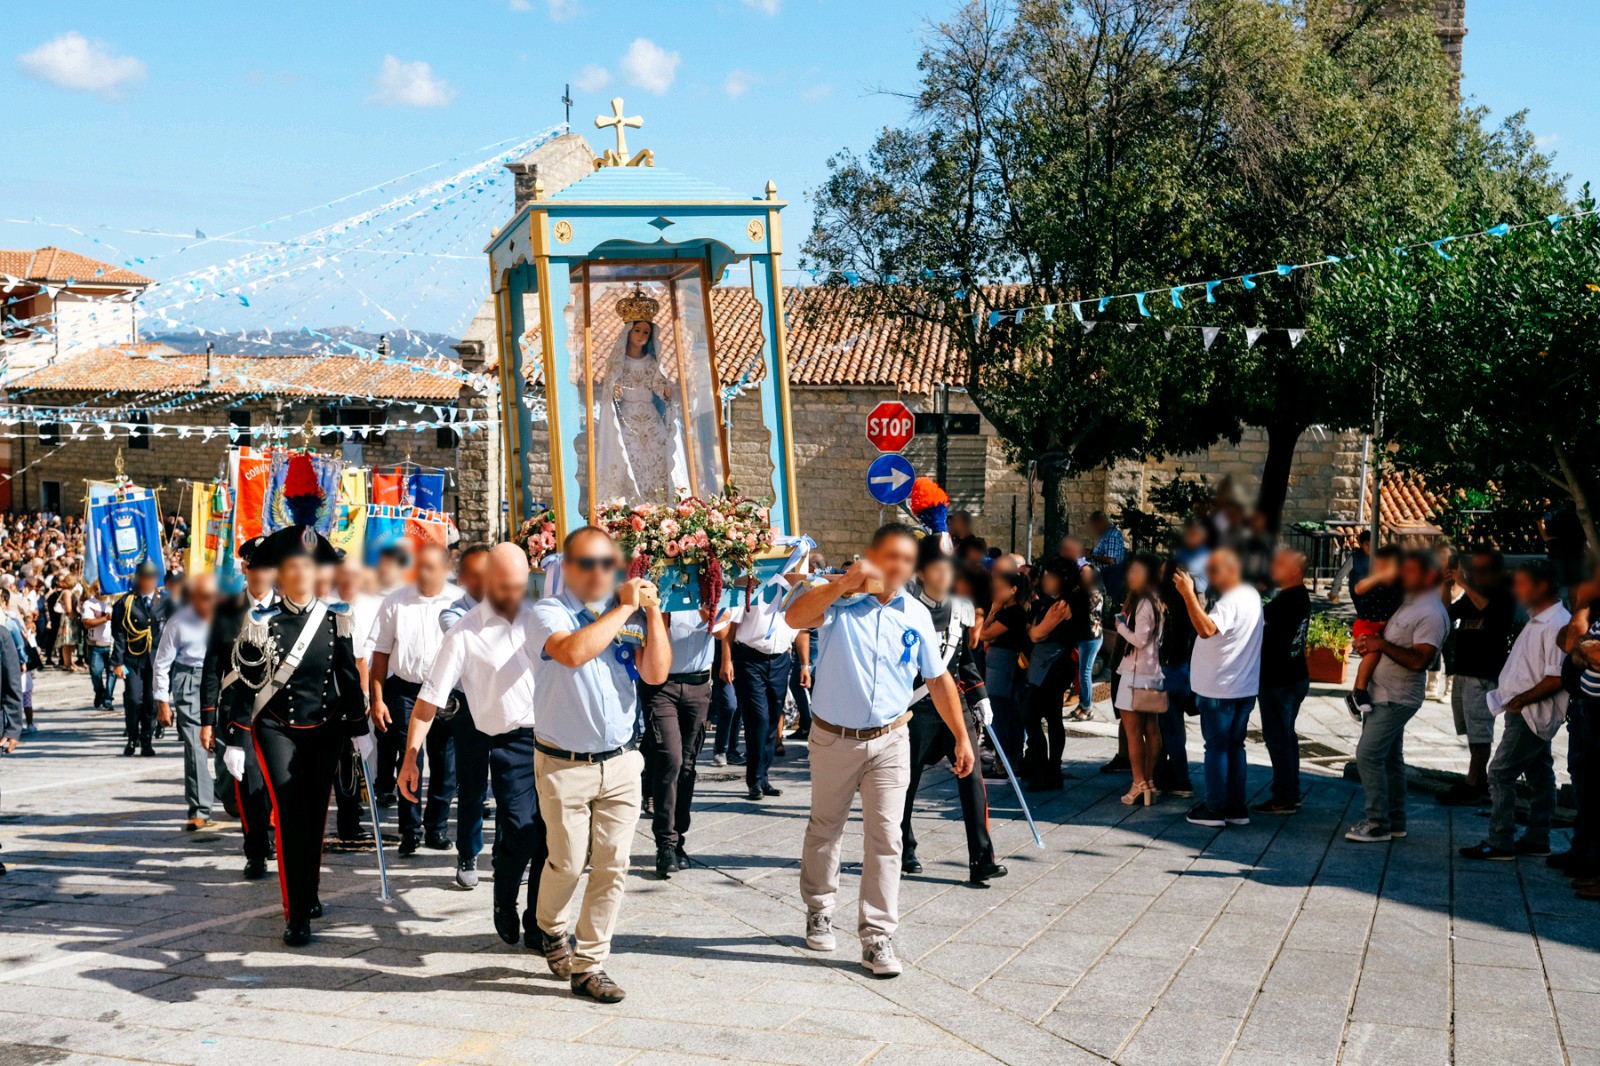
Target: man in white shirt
1533,704
1225,674
762,651
471,743
95,611
180,660
1409,643
485,655
405,640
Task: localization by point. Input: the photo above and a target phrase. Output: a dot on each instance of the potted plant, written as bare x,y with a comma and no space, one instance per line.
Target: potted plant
1327,648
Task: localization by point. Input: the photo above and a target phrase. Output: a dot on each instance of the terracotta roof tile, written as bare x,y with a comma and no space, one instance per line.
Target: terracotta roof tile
140,368
60,265
1406,505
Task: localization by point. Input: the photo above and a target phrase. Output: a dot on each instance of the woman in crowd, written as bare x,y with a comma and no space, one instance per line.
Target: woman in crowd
1051,670
1005,637
1141,696
1087,599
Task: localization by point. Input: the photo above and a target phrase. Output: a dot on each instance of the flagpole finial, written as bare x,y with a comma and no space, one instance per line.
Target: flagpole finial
118,467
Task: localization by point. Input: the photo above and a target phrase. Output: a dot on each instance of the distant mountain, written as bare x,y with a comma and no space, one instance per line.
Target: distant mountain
405,343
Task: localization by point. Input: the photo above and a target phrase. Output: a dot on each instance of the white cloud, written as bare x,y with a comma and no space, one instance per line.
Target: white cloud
769,6
1547,140
738,83
520,5
649,66
72,61
820,91
592,78
562,10
410,85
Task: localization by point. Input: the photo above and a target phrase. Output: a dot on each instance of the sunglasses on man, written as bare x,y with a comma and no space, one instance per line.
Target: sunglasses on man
591,563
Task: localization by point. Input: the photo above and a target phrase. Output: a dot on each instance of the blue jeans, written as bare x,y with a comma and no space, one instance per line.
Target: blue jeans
1172,768
1224,723
105,682
1087,650
724,710
1381,761
472,781
1280,707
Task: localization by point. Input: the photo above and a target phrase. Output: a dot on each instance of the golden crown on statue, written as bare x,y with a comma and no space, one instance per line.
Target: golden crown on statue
638,307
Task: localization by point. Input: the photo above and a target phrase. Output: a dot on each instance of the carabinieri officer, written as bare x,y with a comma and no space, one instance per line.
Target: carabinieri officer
299,699
872,649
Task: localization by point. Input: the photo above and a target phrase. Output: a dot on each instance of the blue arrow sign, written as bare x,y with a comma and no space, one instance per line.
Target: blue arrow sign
889,479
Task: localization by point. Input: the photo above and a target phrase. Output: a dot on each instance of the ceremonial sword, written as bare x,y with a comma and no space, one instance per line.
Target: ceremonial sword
1000,753
377,829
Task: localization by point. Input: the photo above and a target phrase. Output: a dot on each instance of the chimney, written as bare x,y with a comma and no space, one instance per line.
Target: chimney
525,173
383,344
210,369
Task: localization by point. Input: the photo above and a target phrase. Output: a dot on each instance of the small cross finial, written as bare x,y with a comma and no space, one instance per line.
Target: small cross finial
621,124
566,99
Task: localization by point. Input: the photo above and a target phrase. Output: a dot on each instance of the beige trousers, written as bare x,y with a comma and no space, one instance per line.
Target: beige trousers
880,770
589,811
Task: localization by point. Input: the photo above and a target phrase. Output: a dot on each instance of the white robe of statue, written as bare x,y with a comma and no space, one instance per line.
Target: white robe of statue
639,452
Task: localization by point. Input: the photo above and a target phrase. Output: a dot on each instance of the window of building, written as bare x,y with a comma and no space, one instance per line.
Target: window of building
447,437
50,496
49,433
139,433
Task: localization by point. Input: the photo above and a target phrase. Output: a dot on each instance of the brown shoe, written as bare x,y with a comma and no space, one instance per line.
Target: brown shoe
557,953
597,986
196,824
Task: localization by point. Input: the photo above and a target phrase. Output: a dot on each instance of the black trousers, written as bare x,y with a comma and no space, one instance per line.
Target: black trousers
255,807
347,795
1583,724
1043,723
519,841
932,742
472,781
801,694
724,709
760,680
139,703
438,757
299,766
675,728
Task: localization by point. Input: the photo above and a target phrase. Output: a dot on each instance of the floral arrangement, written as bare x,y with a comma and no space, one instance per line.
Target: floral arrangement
716,534
538,534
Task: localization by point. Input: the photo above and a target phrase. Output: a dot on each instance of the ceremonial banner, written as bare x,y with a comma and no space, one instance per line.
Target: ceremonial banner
427,527
385,525
302,490
250,495
350,516
211,529
387,487
124,531
426,490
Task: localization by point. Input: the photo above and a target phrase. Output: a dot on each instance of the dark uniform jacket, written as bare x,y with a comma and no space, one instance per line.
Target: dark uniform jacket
10,689
225,626
136,628
952,620
324,689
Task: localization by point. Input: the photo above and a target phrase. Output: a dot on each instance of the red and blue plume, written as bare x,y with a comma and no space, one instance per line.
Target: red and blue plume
302,495
930,504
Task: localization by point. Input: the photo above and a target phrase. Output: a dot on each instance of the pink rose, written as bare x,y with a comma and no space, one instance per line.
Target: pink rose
750,542
762,514
701,540
685,510
670,527
717,517
637,523
672,549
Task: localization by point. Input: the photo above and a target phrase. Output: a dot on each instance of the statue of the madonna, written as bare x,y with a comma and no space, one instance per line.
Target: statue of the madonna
639,451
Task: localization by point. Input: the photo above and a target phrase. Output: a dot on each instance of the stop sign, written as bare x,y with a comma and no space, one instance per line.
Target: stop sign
890,426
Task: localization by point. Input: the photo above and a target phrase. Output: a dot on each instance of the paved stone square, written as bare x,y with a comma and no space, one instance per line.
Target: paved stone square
1131,937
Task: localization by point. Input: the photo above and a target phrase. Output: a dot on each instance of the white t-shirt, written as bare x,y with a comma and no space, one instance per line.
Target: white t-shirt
97,607
1227,665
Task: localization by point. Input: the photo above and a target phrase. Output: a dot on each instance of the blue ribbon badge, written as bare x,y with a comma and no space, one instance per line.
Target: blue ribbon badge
909,639
624,653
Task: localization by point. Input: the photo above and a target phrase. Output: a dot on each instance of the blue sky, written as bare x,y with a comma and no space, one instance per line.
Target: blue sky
178,116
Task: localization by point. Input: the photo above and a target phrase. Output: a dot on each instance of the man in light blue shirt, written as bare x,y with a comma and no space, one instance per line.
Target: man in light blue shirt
586,672
180,659
872,647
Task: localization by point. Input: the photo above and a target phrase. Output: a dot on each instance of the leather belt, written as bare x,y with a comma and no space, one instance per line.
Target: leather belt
700,677
860,734
583,756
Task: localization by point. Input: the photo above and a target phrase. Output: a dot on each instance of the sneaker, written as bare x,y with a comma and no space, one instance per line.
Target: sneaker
1397,831
1237,816
467,872
819,931
769,791
1358,703
1524,846
597,986
1488,851
879,958
680,857
1275,807
719,759
1200,814
1365,832
735,758
666,861
557,953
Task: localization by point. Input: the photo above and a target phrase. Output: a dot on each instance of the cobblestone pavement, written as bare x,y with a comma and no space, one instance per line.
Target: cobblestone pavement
1131,937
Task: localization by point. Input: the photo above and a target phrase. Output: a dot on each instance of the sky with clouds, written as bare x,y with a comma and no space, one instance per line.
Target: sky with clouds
178,116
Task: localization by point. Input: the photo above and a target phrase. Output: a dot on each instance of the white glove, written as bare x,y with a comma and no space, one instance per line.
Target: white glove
233,759
984,712
365,746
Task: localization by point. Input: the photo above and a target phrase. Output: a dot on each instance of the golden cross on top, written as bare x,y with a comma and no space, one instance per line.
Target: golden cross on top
617,120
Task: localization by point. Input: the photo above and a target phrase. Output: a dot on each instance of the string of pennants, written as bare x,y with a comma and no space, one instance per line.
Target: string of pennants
80,429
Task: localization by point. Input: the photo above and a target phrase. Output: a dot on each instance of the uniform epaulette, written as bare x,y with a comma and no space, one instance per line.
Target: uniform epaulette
631,633
344,619
963,610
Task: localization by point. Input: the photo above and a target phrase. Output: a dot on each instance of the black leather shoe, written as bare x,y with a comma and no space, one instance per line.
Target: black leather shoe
255,869
409,846
557,953
597,986
129,750
647,808
666,861
386,799
316,909
768,790
910,864
297,934
359,838
440,842
985,871
681,857
754,795
508,925
147,749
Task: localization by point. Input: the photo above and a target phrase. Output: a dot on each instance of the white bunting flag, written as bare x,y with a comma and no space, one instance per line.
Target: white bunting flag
1251,335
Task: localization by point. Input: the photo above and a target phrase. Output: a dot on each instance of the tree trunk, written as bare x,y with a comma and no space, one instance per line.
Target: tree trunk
1580,497
1274,490
1053,487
